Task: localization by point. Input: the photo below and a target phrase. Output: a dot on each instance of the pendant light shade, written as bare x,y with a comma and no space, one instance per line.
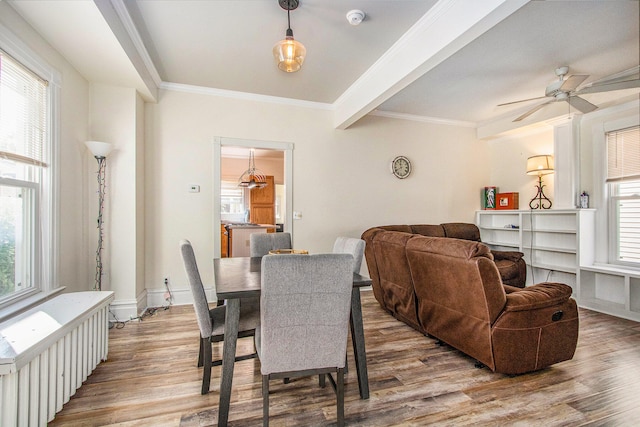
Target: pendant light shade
289,53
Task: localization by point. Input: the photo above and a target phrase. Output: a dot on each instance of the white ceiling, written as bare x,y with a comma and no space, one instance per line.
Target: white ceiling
447,60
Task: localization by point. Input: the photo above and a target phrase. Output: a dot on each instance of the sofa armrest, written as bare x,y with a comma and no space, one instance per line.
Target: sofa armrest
509,289
509,255
538,296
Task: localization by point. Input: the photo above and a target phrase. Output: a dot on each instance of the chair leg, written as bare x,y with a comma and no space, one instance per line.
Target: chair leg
206,371
265,400
340,397
200,352
322,380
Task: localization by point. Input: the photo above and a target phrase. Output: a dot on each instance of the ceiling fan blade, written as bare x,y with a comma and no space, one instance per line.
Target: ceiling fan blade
625,84
533,110
573,82
522,100
581,104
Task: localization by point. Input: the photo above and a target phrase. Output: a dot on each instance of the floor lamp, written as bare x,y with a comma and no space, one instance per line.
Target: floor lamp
540,165
100,151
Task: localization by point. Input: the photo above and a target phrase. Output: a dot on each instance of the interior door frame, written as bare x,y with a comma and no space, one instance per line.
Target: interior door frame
218,143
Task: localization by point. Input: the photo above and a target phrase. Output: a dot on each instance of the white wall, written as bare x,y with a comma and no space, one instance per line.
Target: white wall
342,180
508,164
117,117
75,260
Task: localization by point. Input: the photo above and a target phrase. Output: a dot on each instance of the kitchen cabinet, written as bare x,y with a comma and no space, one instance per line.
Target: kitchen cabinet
263,203
224,242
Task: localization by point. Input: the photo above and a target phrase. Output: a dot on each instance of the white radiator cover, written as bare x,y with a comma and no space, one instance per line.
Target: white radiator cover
47,352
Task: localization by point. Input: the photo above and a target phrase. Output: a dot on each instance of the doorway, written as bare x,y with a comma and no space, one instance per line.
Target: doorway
243,144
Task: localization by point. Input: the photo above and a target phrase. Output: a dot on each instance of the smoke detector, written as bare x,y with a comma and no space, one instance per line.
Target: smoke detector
355,17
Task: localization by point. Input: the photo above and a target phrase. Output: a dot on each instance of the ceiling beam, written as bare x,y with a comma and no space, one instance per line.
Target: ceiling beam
117,16
445,29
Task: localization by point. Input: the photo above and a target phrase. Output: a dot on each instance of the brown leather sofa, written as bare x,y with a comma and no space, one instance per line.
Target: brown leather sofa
451,289
511,264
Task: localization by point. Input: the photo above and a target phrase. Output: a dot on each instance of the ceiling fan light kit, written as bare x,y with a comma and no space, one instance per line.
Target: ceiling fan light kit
288,52
566,89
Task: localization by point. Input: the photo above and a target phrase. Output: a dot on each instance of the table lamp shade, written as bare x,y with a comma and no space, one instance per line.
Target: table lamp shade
540,165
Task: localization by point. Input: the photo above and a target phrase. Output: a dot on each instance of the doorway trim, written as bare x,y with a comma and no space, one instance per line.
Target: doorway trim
218,143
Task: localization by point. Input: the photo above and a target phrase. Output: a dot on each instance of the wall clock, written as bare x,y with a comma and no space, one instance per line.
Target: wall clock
401,167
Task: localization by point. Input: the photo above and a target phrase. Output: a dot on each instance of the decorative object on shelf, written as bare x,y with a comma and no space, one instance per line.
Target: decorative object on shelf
540,165
401,167
100,151
252,177
584,200
508,201
289,53
489,197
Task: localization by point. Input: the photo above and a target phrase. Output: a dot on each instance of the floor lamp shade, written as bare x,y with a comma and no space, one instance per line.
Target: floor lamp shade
99,148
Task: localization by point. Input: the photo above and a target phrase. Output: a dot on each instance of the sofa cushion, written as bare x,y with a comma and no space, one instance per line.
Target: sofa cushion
430,230
462,230
394,277
458,291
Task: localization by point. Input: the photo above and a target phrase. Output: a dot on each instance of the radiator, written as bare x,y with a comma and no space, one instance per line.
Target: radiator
47,352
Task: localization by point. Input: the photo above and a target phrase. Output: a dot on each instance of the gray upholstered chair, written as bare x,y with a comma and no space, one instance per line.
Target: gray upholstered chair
211,320
353,246
261,243
304,320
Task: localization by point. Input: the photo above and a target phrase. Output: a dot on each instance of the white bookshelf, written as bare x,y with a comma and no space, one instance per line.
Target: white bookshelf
559,246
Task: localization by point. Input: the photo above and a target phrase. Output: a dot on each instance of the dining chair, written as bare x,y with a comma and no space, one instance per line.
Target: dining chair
211,320
304,320
261,243
353,246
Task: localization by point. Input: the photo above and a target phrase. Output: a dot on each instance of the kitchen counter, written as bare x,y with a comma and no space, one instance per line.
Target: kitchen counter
233,225
239,236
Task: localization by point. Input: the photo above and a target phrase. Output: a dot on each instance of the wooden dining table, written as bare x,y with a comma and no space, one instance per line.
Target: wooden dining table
237,278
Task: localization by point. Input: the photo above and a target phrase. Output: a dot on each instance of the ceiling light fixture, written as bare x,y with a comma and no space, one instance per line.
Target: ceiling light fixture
289,53
252,177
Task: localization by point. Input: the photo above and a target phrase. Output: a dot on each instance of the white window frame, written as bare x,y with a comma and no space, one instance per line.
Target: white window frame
613,198
46,281
606,227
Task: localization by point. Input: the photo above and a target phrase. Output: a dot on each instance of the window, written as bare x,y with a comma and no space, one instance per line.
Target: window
232,202
25,180
623,178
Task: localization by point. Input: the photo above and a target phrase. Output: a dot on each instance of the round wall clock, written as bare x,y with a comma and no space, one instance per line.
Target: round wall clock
401,167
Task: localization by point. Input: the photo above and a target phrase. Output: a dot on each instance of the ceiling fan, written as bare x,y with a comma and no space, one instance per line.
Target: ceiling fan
566,90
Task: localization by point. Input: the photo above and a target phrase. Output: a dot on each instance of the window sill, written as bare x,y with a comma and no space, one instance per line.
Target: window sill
27,303
613,269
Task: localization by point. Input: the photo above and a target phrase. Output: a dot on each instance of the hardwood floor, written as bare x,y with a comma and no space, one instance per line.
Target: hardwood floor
151,379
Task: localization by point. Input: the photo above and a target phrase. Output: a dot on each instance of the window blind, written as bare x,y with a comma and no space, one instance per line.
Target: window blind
23,107
623,155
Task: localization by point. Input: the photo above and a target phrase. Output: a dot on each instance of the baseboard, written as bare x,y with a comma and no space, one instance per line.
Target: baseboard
156,297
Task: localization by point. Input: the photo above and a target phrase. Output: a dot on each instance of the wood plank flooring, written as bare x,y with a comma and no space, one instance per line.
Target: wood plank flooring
151,379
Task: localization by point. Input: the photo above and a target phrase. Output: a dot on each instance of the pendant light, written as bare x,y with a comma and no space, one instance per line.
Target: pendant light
252,177
289,53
